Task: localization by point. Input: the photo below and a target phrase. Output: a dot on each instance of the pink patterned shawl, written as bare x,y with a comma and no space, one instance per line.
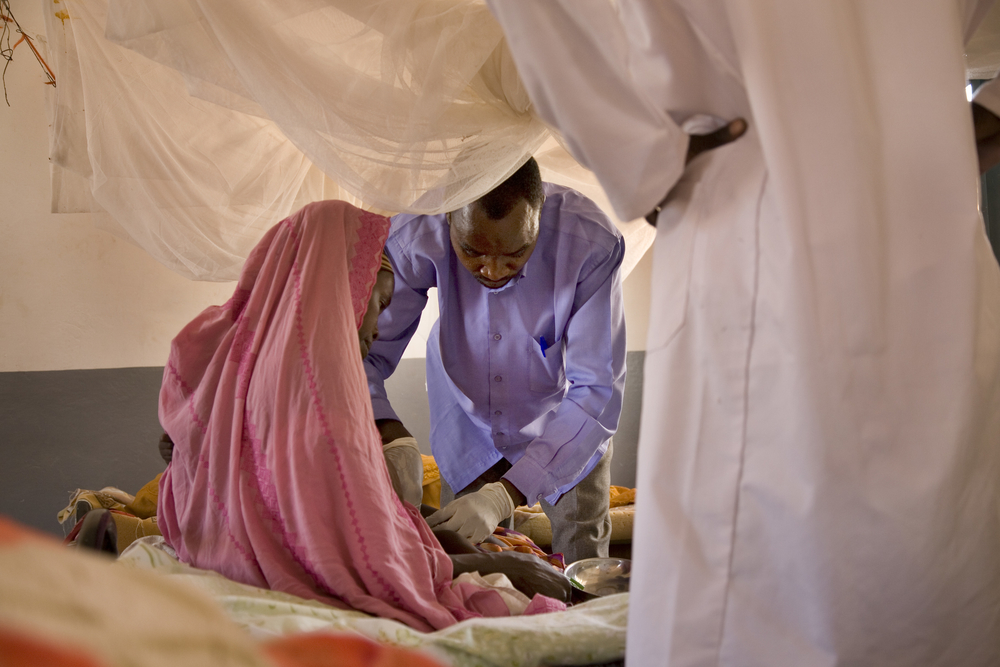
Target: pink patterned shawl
277,478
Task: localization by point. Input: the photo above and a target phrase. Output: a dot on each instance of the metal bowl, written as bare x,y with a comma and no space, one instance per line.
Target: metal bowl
600,576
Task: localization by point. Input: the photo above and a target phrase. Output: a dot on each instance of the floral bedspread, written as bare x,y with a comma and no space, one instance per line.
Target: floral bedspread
586,634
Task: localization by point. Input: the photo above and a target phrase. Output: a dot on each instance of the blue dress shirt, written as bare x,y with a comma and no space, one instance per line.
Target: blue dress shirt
533,371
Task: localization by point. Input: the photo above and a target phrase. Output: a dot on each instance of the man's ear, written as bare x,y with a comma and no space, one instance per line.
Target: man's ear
541,204
539,209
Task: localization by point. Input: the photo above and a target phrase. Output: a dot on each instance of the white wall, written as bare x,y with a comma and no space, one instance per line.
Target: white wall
71,296
75,297
636,292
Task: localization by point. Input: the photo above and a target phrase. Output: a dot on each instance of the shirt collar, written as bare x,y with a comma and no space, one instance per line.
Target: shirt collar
510,283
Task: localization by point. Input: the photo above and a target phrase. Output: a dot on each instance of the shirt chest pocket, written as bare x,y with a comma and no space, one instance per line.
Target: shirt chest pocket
545,367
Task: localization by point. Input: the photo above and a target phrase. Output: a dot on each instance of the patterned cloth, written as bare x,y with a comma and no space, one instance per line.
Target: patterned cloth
505,539
589,633
277,478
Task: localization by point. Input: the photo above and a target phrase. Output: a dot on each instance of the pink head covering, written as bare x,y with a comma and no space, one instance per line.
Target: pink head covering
277,478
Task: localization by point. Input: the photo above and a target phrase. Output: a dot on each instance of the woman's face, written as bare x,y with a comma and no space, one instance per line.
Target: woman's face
379,301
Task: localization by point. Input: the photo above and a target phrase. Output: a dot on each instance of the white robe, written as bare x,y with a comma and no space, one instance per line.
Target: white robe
819,459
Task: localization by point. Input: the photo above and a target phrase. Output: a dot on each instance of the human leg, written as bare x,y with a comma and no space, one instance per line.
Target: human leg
581,525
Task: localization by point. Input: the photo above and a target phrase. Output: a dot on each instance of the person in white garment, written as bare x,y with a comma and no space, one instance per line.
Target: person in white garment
819,458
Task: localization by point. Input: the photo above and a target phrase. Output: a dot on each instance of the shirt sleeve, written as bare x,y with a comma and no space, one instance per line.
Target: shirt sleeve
573,58
396,326
594,356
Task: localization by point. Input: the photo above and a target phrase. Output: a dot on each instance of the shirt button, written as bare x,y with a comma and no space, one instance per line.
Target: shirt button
498,413
497,378
497,336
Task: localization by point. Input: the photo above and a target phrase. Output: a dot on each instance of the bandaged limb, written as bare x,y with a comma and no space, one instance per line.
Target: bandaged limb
402,455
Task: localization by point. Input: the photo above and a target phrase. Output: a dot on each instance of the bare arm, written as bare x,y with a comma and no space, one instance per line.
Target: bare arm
391,429
526,572
166,448
698,144
515,495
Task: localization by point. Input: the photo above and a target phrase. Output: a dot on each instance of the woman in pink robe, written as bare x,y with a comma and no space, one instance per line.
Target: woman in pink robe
277,478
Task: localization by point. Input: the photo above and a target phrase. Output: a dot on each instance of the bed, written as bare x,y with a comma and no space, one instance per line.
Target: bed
591,633
80,608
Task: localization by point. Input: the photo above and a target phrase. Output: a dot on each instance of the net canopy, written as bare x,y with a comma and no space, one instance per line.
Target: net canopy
982,49
190,127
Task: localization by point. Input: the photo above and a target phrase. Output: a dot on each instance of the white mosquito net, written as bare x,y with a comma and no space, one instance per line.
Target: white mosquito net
190,127
982,51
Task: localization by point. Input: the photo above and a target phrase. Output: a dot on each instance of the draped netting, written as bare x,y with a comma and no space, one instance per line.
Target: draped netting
982,49
190,127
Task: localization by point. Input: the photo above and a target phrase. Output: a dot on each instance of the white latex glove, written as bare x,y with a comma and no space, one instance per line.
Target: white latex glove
403,456
475,516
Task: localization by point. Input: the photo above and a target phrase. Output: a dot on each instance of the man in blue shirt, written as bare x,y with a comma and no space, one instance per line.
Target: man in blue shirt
526,364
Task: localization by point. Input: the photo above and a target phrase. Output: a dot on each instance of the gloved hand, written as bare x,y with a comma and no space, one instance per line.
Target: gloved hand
475,516
403,456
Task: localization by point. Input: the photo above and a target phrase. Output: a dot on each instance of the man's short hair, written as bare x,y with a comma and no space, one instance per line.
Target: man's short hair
525,183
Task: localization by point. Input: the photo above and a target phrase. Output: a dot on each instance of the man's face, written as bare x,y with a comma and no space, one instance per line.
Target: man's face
379,301
494,250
